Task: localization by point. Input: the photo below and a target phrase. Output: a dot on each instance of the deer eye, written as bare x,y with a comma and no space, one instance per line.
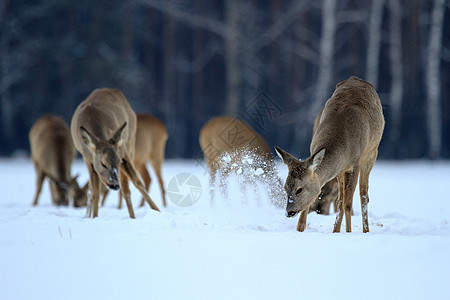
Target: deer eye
298,191
103,165
111,141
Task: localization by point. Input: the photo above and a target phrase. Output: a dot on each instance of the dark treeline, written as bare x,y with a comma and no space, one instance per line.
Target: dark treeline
271,63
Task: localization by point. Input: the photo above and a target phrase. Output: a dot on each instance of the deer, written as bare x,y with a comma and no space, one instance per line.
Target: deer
104,130
52,154
224,135
151,138
344,146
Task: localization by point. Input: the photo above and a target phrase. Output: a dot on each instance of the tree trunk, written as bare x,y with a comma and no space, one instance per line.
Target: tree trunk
374,44
325,57
232,63
395,54
433,83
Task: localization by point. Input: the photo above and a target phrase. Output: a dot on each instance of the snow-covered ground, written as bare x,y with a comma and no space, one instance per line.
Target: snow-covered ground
237,249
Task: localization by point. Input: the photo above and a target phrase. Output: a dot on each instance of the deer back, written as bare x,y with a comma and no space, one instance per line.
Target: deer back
151,137
225,134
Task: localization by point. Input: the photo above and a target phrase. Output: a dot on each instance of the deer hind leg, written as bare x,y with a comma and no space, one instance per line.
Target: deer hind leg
94,183
128,168
301,225
366,168
39,180
157,166
351,179
125,192
147,180
339,205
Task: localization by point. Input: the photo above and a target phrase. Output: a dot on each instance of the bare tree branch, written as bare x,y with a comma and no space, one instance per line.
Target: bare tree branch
191,19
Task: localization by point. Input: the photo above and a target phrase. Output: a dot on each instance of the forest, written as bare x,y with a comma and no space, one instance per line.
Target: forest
270,63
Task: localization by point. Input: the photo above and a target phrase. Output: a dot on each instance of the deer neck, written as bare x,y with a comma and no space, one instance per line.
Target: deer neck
332,164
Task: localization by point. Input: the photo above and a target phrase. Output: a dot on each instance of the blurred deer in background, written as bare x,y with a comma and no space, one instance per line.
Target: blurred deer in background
344,145
104,131
52,153
226,136
151,138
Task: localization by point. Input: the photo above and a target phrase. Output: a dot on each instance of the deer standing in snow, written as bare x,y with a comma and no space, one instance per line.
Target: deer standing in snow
104,131
223,135
151,138
344,145
52,153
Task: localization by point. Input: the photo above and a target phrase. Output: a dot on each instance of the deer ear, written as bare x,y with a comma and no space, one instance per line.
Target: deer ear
287,158
85,187
316,159
118,137
88,139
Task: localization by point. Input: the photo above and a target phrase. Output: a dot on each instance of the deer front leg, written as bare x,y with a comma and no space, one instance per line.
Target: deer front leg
301,226
39,181
147,180
340,208
128,168
94,182
125,192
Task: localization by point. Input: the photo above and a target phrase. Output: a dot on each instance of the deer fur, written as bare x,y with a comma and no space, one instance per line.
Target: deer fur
329,192
104,131
151,138
344,145
52,153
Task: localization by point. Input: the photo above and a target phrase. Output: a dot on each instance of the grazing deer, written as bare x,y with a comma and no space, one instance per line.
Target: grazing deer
225,135
344,145
103,130
52,153
151,138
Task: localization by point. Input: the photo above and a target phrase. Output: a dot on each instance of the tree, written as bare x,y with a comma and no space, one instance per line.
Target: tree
374,43
396,63
433,82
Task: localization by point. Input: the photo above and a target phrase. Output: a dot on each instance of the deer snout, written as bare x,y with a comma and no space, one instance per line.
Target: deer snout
291,213
291,209
114,179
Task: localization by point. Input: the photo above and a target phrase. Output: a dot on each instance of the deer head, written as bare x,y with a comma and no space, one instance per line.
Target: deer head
59,190
79,195
106,160
302,183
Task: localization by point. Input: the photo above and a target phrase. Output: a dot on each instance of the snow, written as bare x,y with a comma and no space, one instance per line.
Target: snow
237,249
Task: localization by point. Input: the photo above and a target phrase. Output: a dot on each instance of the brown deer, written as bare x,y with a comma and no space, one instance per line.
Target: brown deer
223,135
52,153
344,145
151,138
104,131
